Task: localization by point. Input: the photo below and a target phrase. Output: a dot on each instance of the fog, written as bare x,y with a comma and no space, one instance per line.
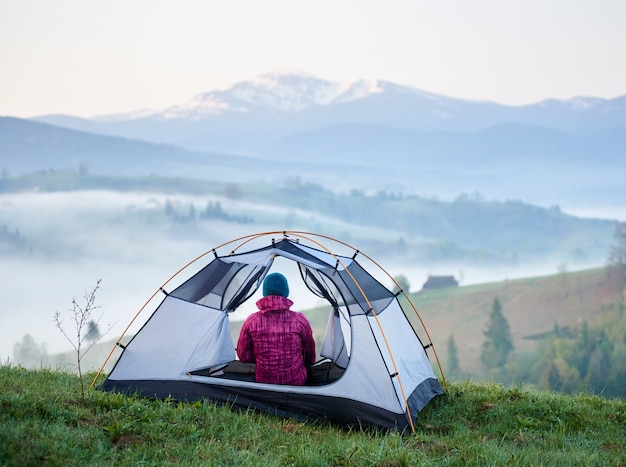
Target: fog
74,239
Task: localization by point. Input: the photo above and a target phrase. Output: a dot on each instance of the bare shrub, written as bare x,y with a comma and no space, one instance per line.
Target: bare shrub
84,324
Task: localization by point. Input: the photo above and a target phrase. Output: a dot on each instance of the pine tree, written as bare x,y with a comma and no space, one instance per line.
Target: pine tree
93,332
28,352
498,344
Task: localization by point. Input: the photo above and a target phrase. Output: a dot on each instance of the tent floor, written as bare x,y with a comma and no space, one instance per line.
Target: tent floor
321,373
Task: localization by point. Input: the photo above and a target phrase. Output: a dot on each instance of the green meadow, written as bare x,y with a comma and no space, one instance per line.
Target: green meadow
44,421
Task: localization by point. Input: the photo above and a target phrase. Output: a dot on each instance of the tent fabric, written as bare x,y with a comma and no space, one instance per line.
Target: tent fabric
385,379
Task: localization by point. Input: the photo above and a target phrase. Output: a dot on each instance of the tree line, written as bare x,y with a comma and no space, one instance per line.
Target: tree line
212,210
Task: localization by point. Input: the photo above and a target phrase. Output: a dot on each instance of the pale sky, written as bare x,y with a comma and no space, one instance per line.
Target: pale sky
97,57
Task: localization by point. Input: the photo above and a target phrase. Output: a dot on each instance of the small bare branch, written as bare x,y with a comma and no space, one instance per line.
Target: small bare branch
82,315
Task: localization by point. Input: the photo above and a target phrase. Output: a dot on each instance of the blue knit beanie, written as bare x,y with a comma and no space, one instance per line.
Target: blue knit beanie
275,284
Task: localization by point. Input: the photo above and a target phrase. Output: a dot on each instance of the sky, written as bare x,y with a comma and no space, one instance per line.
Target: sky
88,58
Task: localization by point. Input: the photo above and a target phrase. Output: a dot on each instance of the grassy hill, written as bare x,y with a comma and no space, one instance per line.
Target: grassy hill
532,306
44,421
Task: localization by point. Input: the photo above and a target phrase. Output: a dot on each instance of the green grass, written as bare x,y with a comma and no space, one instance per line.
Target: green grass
44,421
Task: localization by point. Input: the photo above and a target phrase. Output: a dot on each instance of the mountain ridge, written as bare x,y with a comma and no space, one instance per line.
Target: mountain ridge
251,115
509,161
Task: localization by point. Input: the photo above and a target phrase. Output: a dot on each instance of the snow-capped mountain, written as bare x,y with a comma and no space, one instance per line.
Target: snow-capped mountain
290,92
251,116
295,92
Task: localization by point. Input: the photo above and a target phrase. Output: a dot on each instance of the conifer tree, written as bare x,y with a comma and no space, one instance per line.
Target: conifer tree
498,344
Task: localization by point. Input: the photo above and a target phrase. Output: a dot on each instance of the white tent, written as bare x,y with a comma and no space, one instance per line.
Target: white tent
374,369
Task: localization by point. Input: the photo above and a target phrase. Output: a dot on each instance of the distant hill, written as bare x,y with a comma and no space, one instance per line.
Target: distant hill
400,228
504,146
27,146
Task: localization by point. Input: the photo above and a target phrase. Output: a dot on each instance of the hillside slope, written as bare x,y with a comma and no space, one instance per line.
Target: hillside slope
532,307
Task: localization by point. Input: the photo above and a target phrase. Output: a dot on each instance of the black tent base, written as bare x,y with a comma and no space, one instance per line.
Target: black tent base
306,407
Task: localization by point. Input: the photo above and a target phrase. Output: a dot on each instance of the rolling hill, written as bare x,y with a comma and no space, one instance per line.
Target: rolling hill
470,230
532,306
27,146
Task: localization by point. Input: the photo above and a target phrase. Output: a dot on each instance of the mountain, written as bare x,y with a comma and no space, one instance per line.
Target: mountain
385,136
507,144
30,146
27,146
251,116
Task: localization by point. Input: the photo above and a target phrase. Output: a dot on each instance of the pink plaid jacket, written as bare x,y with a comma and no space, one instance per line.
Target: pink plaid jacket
278,340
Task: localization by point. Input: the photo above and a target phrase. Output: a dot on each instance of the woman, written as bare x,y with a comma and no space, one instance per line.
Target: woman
278,340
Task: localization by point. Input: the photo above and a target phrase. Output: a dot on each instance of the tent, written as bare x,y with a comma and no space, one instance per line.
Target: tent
373,369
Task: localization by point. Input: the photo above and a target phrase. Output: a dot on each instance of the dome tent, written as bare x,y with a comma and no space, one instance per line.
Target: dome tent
374,369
